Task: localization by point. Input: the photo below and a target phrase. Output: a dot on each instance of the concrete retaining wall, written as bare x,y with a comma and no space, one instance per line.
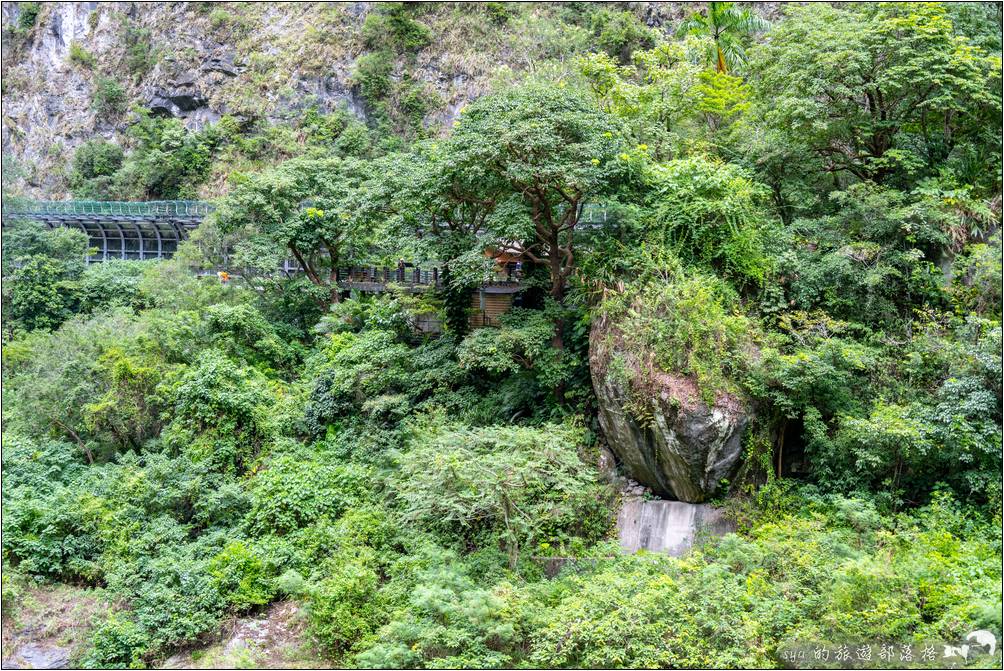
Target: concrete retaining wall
667,526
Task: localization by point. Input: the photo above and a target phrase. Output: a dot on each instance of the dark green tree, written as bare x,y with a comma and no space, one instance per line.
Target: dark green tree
546,151
315,209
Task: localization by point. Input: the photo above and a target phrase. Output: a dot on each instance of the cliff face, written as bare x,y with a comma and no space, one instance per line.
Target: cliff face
199,61
185,60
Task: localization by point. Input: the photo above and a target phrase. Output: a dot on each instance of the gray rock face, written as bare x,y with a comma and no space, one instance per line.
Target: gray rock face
38,656
672,527
684,447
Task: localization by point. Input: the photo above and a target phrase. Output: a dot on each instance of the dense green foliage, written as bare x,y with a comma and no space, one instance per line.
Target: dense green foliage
801,216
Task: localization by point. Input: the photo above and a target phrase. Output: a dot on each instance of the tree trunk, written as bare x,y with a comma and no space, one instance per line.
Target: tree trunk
780,449
82,444
457,300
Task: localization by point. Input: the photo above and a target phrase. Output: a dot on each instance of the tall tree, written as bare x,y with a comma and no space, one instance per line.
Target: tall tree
879,90
317,210
727,26
546,151
443,207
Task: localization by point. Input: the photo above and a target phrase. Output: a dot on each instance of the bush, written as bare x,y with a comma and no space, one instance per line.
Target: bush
41,297
117,643
513,485
372,75
682,323
390,26
109,96
521,342
712,213
219,18
52,377
246,335
112,284
293,492
621,33
50,533
173,597
359,368
836,571
241,577
448,621
28,15
97,158
140,56
81,56
169,161
344,606
222,412
40,269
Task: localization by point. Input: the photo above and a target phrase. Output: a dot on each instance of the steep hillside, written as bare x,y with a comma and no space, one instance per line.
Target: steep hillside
74,71
677,347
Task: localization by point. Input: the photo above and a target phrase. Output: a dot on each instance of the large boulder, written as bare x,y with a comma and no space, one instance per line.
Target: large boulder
659,423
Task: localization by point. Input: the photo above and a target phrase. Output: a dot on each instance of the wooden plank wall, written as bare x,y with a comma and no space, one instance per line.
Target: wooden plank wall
495,305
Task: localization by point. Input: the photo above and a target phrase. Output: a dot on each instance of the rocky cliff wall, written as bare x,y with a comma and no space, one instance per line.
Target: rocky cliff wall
197,61
201,63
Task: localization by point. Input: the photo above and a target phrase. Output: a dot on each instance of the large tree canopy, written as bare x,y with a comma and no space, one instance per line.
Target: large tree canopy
316,209
878,89
547,151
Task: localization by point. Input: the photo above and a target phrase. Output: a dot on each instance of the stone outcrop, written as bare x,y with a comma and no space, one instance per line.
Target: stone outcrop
682,447
38,656
261,61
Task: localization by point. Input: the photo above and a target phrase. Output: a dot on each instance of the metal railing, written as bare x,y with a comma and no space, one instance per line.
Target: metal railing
591,213
150,209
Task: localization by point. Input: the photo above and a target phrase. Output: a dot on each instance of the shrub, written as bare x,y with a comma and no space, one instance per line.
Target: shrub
113,283
242,577
515,485
169,161
344,606
233,25
95,165
448,621
97,158
293,492
834,571
222,413
53,377
499,12
372,75
140,56
173,597
390,26
360,367
219,18
684,324
621,33
28,15
49,533
712,213
81,56
522,342
109,96
242,331
117,643
10,592
41,297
